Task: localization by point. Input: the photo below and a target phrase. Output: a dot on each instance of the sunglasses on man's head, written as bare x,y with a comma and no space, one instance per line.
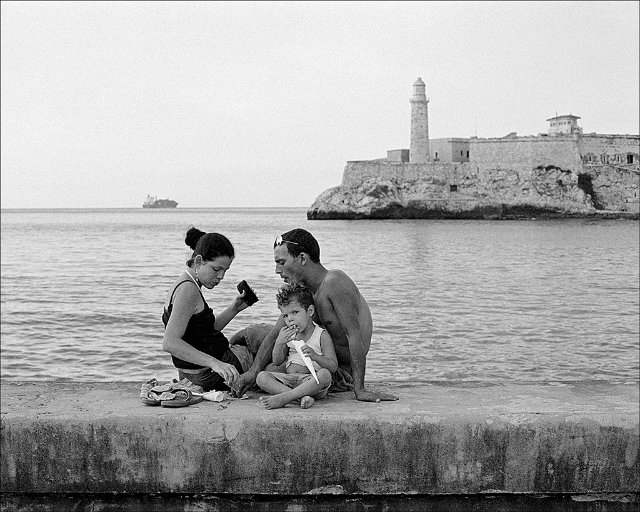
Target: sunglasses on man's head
280,241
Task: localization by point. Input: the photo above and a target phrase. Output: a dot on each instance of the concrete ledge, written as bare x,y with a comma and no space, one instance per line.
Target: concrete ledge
98,438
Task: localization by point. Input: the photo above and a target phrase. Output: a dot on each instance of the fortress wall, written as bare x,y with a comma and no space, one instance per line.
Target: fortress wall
615,188
521,155
542,172
440,150
460,150
525,153
356,172
611,161
610,149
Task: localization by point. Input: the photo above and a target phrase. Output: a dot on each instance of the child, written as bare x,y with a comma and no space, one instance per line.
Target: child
296,306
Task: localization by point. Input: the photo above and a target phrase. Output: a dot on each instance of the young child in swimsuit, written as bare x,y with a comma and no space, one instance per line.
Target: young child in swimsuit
296,306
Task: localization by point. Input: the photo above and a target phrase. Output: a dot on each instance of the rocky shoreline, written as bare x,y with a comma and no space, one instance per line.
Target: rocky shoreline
497,212
423,191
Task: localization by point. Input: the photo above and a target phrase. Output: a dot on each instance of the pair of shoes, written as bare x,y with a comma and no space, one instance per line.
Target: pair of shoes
173,385
173,398
181,398
152,393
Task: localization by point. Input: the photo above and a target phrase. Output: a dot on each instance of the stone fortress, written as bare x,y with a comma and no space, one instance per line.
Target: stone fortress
564,172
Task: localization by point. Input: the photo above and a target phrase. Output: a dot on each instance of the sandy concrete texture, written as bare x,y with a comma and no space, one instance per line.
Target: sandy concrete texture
98,437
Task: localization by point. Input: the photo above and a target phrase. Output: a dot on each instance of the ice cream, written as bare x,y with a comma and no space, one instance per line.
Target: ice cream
298,344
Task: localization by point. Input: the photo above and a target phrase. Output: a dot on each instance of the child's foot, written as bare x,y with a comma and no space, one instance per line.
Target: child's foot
306,402
273,401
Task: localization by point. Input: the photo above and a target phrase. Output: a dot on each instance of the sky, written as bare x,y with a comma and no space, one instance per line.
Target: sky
261,104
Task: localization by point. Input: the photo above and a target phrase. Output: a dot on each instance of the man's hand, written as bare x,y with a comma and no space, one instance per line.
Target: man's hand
370,396
243,384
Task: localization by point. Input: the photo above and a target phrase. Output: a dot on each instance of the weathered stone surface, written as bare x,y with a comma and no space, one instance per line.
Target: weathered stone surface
500,194
98,438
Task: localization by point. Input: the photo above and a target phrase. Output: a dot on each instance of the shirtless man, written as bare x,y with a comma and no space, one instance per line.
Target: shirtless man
340,309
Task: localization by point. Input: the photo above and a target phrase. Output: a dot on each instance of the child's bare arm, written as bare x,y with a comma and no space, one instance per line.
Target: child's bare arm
280,348
328,358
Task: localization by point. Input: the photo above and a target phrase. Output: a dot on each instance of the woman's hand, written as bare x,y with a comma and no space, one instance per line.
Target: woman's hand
239,304
227,371
286,335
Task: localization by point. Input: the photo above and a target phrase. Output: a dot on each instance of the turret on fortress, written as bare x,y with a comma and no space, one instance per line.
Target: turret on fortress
563,172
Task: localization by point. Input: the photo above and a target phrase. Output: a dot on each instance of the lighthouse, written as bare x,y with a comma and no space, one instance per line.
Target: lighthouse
419,148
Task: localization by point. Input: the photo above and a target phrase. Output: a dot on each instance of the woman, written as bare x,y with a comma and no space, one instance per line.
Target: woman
192,335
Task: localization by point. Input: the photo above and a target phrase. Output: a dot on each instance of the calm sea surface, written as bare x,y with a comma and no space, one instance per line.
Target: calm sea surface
483,301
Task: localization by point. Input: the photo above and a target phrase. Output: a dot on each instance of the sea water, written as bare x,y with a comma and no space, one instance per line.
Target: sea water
544,301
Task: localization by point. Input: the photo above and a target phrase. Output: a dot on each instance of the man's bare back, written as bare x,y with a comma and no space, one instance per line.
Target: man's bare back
334,282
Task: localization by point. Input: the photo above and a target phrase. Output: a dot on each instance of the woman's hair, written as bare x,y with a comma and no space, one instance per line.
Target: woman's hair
208,245
295,291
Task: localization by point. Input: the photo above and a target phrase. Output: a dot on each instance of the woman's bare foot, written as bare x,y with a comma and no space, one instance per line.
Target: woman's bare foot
273,401
306,402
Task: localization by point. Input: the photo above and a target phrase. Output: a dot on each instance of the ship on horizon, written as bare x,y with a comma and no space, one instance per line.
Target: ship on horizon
154,202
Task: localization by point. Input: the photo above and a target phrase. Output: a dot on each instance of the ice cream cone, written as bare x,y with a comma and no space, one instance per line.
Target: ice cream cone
298,344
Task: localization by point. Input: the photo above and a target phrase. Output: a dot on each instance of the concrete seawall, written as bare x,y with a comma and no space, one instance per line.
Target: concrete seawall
99,438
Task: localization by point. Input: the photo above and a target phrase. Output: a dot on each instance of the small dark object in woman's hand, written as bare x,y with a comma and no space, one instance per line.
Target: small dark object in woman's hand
250,296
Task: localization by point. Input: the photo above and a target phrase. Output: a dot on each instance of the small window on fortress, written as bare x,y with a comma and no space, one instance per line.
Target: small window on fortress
467,154
629,159
453,188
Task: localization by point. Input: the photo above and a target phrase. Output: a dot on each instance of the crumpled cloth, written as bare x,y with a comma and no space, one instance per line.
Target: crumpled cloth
341,380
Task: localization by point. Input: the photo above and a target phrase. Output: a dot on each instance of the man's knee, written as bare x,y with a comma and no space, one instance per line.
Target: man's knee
251,336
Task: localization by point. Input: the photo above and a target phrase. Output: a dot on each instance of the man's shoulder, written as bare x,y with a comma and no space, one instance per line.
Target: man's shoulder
336,275
336,281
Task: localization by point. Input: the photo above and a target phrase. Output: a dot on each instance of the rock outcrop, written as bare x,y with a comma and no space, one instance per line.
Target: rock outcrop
544,191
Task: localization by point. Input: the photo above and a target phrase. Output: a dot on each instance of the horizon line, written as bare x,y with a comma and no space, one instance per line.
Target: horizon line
141,208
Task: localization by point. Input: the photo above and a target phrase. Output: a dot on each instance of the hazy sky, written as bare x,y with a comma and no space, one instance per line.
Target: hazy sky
262,103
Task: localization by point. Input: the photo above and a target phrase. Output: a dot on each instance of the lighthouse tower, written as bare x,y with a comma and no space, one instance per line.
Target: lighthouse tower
419,148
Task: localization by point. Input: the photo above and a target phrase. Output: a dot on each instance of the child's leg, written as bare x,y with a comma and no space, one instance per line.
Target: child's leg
305,389
324,376
267,382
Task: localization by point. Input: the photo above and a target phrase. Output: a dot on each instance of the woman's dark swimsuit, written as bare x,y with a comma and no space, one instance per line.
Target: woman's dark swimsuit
202,335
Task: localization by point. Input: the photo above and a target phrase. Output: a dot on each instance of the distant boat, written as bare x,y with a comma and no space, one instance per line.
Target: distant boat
154,202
